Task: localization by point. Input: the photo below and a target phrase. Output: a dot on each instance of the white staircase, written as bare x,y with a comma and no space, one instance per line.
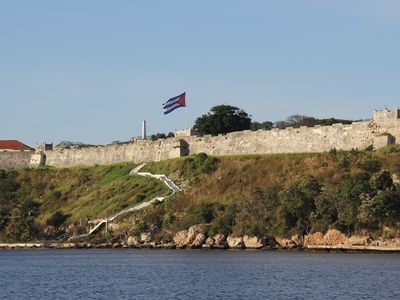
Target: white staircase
168,182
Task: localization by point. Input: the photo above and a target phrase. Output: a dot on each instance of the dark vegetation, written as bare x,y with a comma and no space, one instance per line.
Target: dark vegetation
301,120
158,136
223,119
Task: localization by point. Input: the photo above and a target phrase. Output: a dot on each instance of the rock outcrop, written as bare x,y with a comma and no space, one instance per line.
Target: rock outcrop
285,243
180,238
254,242
220,241
334,237
194,231
316,239
209,243
199,241
235,242
356,240
146,237
132,241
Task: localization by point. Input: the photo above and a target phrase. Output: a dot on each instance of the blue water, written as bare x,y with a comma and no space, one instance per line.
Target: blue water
180,274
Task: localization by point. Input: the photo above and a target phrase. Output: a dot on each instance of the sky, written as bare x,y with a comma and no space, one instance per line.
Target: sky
91,71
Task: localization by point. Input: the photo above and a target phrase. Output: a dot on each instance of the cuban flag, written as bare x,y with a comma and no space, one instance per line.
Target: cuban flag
174,103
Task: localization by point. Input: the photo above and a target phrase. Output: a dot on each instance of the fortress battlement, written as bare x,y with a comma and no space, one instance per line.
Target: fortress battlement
382,130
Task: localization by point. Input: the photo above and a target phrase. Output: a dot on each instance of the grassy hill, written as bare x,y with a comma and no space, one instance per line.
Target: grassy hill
76,194
257,194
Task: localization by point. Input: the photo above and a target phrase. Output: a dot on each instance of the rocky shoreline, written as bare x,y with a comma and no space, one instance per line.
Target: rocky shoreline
195,238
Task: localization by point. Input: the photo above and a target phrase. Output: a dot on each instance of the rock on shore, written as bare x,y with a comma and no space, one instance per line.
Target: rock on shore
196,237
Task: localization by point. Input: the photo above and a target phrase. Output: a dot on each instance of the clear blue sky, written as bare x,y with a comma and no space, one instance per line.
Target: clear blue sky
90,71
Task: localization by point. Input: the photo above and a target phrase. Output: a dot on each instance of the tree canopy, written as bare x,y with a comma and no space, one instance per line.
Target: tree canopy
227,118
223,119
301,120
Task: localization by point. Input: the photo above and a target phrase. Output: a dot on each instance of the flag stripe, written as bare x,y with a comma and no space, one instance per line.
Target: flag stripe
174,103
172,100
172,108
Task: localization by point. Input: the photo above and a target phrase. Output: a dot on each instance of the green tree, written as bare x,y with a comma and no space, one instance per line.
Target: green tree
255,214
261,125
325,213
8,199
223,119
57,219
22,226
301,120
348,201
381,204
378,209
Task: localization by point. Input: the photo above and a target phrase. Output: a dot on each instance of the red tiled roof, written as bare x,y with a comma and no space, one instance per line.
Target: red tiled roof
13,145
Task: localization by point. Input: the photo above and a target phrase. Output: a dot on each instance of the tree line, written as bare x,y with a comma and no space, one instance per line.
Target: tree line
222,119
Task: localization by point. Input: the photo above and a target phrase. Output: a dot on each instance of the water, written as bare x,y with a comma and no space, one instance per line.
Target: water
180,274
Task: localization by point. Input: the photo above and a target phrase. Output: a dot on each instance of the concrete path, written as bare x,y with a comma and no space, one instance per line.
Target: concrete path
135,172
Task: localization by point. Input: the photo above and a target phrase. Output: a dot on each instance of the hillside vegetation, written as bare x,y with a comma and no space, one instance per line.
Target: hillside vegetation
287,194
282,194
30,199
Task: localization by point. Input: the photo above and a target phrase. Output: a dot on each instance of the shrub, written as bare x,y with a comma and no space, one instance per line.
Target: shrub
57,219
224,222
198,164
138,198
204,213
370,165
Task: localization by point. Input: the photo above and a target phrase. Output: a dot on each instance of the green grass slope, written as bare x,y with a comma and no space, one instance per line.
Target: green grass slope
77,194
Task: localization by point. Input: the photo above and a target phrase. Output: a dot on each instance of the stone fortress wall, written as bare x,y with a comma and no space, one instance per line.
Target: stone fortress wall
384,129
15,159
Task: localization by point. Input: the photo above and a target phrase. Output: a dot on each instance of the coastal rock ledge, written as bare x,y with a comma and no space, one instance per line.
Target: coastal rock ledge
196,237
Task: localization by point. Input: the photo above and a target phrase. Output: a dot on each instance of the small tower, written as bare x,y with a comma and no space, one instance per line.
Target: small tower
144,130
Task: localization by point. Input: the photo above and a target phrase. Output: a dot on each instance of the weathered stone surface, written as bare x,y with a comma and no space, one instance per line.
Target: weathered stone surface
194,231
356,240
387,243
285,243
253,242
117,245
357,135
146,237
220,241
334,237
132,241
210,242
235,242
15,159
180,238
199,240
149,245
298,240
68,245
316,238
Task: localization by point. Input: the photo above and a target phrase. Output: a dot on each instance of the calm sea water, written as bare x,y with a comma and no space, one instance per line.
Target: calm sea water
180,274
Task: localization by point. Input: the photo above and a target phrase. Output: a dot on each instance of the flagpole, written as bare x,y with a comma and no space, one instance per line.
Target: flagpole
186,117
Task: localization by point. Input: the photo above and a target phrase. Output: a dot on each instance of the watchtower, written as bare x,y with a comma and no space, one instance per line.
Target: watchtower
388,121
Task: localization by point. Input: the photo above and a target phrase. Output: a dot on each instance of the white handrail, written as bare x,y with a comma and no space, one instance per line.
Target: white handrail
168,182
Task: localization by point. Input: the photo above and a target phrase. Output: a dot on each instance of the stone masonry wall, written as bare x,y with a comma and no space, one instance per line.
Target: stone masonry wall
15,159
357,135
137,152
